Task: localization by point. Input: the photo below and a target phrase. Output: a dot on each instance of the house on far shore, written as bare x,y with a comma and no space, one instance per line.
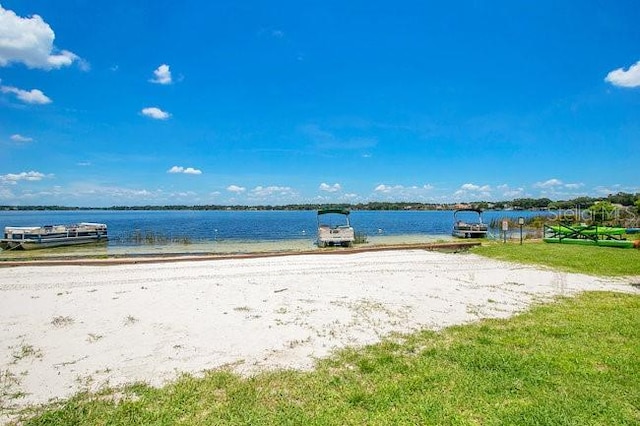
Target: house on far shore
461,206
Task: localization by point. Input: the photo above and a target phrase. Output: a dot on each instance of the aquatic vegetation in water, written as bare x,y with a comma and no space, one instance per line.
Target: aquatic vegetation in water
140,237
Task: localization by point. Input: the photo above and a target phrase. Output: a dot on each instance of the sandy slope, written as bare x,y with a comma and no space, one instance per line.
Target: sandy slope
67,328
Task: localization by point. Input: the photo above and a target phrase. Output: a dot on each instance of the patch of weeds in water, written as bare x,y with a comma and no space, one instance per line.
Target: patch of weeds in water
147,237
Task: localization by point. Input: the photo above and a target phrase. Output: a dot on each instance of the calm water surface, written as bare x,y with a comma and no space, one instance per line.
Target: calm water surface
190,231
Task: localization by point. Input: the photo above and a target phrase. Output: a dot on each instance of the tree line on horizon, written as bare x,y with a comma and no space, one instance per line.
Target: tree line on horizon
621,198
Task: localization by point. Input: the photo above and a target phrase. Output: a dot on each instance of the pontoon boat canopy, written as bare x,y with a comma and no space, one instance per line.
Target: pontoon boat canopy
338,211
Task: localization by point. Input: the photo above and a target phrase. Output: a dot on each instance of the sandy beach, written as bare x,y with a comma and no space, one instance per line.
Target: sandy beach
69,328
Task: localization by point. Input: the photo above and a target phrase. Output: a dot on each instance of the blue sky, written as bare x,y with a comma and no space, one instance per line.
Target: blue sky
277,102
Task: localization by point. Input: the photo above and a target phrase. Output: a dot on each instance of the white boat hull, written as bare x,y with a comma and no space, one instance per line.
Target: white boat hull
48,243
342,235
469,233
30,238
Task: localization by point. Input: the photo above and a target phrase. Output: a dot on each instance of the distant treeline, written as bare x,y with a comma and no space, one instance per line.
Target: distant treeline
621,198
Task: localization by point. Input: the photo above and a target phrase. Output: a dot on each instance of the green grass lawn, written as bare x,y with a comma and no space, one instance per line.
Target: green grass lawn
574,362
593,260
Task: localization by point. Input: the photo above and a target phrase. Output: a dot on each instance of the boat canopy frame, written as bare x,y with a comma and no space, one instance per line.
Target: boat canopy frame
345,212
464,229
479,211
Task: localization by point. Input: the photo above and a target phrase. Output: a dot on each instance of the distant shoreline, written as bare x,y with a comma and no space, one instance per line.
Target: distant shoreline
532,204
367,207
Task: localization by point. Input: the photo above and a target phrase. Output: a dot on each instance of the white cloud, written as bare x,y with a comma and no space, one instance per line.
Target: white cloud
387,188
162,75
557,188
114,193
84,65
511,192
184,194
615,188
330,188
155,113
548,183
33,96
267,191
418,193
475,188
19,138
13,178
235,188
30,41
184,170
6,194
574,185
622,78
87,193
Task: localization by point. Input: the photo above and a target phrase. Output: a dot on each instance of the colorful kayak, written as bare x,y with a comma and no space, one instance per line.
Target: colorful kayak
589,230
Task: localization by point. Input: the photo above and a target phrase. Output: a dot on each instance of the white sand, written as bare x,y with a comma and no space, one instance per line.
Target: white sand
68,328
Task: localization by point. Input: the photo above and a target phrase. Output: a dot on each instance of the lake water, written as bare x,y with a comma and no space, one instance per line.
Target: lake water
214,231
